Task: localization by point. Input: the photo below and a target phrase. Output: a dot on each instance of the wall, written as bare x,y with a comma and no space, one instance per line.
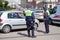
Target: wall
51,2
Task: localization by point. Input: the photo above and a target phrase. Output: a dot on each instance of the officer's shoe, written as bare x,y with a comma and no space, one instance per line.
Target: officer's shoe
33,36
46,32
28,35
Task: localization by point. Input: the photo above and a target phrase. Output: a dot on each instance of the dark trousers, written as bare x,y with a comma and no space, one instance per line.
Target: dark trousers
47,26
30,26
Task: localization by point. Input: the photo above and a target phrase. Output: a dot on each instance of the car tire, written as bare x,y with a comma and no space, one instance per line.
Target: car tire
35,26
6,29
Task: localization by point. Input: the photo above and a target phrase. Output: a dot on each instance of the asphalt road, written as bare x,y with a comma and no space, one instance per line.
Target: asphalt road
40,35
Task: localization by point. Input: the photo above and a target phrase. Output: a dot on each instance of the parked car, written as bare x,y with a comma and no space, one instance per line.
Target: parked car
55,17
39,14
10,20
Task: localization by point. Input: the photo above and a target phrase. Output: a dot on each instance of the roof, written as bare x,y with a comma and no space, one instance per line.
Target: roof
12,11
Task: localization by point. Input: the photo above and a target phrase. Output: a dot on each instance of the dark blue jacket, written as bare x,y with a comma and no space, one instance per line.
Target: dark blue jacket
46,16
30,18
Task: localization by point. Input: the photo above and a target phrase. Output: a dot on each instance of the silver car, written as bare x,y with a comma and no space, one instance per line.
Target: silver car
55,18
39,14
10,20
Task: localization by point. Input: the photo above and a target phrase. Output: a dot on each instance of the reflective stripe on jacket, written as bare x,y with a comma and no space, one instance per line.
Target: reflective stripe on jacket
28,13
48,12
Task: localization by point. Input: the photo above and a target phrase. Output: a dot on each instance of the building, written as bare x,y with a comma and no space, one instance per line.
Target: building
23,3
39,3
13,3
58,1
34,3
26,3
50,2
30,3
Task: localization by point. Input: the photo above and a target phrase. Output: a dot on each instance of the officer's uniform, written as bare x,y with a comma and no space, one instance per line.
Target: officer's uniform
46,19
30,22
48,12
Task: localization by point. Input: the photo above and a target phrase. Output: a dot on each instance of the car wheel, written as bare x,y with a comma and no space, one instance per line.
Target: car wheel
35,26
6,29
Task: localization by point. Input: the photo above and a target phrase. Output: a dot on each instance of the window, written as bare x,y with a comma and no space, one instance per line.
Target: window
15,15
20,15
10,15
54,9
38,11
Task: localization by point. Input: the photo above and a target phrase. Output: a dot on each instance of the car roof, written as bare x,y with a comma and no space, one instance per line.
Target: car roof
38,10
11,11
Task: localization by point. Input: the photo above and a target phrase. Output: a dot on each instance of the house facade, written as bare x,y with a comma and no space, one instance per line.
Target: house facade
34,3
50,2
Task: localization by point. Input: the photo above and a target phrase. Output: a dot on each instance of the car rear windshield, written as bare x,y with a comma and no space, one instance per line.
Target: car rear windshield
38,11
1,13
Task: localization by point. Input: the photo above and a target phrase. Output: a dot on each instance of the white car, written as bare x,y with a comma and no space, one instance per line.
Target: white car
10,20
55,18
39,14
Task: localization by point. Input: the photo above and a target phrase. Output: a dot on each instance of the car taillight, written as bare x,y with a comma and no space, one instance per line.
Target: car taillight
41,14
58,16
0,20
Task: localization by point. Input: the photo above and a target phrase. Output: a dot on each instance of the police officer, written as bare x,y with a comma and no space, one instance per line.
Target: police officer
54,9
46,20
51,10
30,19
48,12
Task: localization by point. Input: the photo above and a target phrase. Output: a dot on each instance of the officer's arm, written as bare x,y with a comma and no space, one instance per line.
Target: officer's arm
33,17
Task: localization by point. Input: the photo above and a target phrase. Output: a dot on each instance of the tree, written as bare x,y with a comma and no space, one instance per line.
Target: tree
6,4
1,5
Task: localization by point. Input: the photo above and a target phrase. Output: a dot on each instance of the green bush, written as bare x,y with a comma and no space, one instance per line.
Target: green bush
6,4
1,5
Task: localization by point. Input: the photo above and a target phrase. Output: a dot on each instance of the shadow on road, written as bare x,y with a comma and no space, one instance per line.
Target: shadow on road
57,25
53,34
24,29
12,37
19,30
40,31
23,34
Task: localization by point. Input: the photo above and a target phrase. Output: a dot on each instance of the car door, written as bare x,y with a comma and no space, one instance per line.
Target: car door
21,20
15,21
